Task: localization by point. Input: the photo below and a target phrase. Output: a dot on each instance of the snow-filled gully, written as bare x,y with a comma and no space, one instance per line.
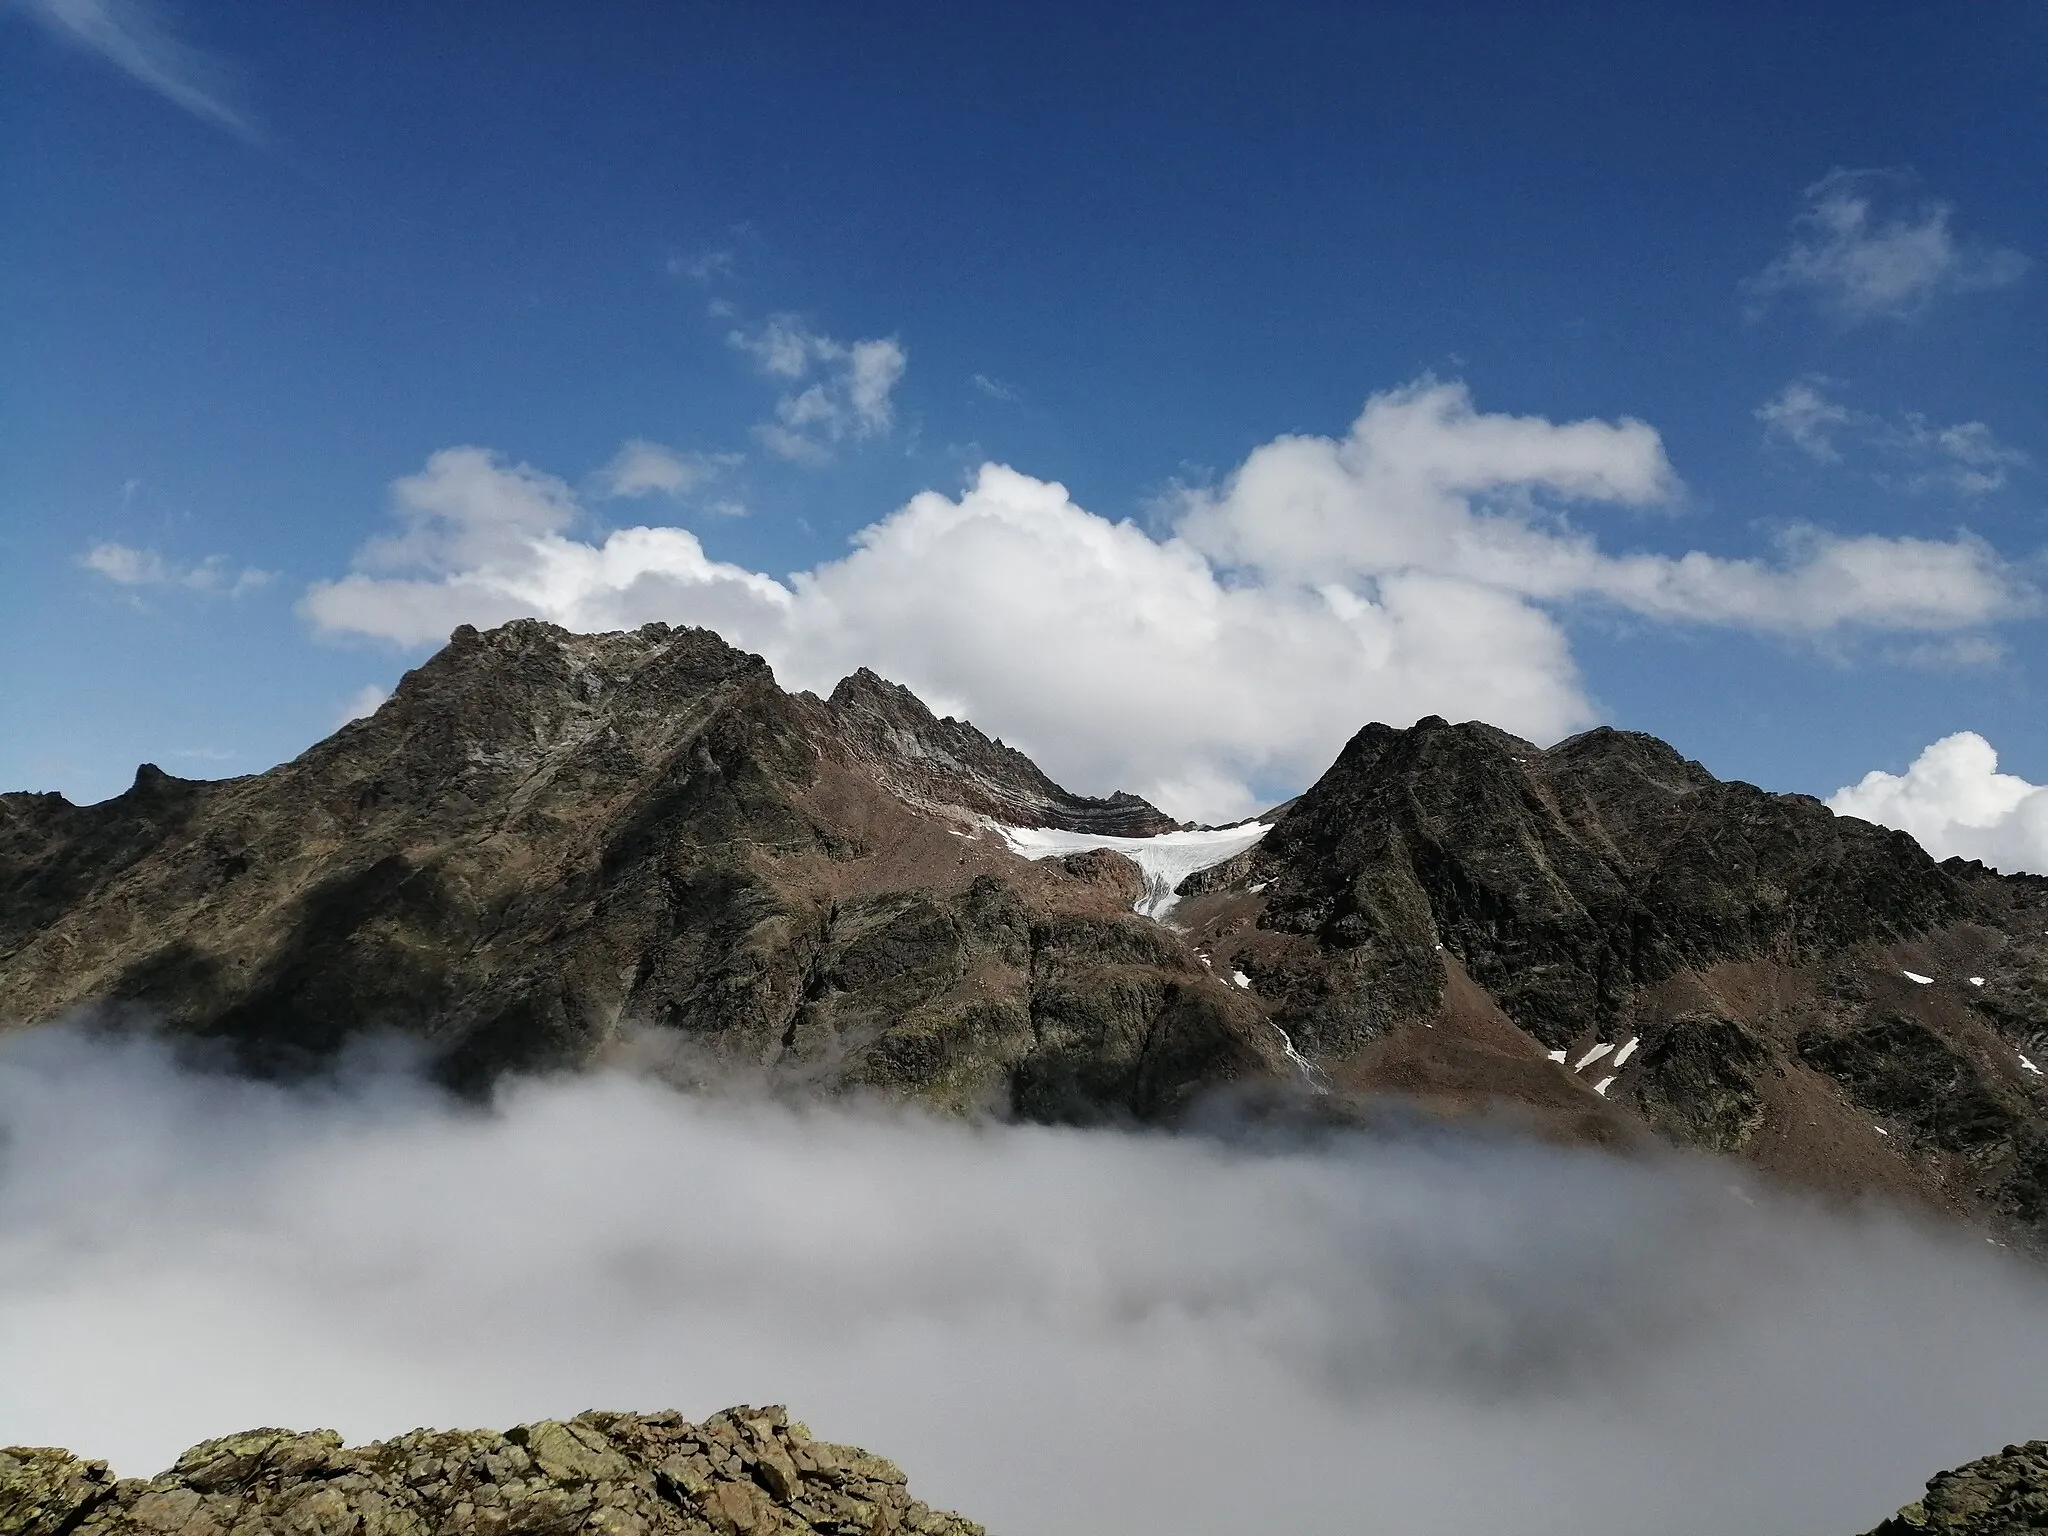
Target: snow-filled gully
1165,860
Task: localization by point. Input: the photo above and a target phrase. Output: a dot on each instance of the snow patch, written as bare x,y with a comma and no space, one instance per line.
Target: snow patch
1165,860
1976,981
1557,1056
1241,979
1915,976
1592,1056
1603,1085
2030,1067
1621,1056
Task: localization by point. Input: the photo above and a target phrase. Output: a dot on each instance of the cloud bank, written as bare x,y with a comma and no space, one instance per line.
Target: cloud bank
1957,804
1863,250
1418,564
1054,1330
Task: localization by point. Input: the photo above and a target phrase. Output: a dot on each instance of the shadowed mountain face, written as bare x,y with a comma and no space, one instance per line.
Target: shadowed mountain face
548,848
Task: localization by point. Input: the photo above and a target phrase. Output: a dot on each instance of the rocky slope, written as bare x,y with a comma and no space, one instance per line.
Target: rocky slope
545,848
744,1472
2002,1495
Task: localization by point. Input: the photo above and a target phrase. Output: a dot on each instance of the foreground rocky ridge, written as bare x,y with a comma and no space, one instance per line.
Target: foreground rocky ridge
743,1472
546,849
2001,1495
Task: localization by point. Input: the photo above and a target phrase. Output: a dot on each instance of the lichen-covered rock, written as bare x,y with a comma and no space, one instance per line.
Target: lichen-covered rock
743,1472
2002,1495
44,1492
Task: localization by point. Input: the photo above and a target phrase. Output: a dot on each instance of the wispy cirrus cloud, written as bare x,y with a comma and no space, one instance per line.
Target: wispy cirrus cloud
138,38
1905,451
846,386
126,566
1866,248
641,468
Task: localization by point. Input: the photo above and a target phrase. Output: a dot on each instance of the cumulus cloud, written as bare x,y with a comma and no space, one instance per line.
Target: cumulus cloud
848,394
134,37
1413,566
1956,804
126,566
1426,482
1053,1330
1864,248
1908,451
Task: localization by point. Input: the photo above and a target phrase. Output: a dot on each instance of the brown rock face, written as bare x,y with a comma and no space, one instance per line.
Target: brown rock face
744,1472
546,848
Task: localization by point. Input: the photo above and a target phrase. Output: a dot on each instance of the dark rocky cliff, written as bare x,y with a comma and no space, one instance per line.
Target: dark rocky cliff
547,847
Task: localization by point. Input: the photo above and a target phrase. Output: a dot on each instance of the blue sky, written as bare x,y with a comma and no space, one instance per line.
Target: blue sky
264,263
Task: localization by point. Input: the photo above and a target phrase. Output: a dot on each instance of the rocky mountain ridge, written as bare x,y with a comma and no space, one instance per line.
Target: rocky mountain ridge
547,849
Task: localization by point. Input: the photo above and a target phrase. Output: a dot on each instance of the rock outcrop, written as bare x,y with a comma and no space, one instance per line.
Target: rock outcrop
548,848
744,1472
2002,1495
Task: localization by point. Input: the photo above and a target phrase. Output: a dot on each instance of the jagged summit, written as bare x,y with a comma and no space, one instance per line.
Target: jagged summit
948,764
544,845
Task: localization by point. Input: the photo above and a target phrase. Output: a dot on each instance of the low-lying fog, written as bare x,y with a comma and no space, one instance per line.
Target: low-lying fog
1053,1331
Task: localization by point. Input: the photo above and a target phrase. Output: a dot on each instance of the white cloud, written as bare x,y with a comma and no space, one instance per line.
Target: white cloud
1053,1331
132,35
1802,415
1907,451
126,566
1409,568
701,266
994,388
641,468
1967,457
1957,804
363,703
1862,250
849,399
468,509
1423,482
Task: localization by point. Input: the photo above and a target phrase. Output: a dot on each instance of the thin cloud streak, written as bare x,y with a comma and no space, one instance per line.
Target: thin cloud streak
136,38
